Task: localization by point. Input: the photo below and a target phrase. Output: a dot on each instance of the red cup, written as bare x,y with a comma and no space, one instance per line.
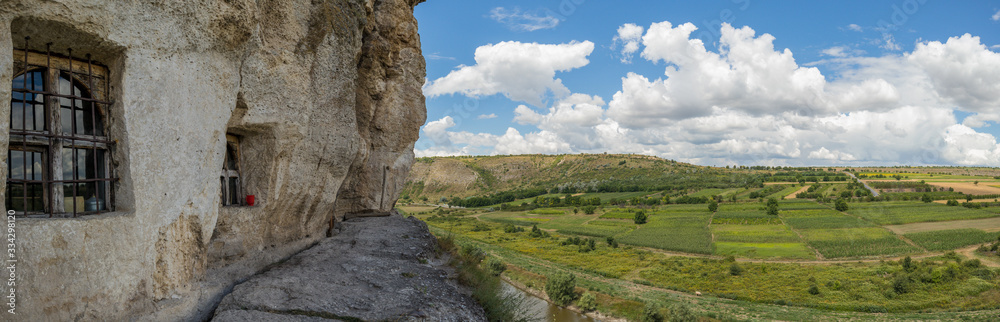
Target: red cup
250,200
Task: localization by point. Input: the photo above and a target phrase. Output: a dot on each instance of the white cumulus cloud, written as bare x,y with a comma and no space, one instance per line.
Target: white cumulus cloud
521,71
487,116
630,37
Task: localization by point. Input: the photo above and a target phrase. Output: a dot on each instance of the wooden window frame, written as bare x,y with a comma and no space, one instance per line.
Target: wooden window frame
229,196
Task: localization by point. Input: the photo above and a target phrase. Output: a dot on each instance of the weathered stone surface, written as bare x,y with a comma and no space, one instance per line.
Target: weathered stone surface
324,94
375,269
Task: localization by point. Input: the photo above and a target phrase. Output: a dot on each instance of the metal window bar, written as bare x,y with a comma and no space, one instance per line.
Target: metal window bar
97,143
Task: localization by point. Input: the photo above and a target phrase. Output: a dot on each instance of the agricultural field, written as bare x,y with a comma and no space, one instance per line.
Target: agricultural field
682,232
951,239
883,213
857,242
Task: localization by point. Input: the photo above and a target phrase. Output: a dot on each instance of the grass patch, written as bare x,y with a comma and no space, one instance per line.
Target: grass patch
764,250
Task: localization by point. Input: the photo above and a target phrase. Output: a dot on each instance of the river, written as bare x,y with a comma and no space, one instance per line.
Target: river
542,310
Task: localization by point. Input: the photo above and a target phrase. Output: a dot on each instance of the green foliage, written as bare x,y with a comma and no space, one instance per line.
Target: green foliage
814,290
560,288
639,218
538,233
494,266
472,253
771,207
612,242
735,269
589,209
841,204
587,302
713,206
510,229
952,202
926,198
651,313
681,313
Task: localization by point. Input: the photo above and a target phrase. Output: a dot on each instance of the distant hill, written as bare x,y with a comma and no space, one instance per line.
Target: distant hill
481,175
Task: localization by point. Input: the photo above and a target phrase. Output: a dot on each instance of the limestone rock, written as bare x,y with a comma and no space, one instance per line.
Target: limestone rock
376,269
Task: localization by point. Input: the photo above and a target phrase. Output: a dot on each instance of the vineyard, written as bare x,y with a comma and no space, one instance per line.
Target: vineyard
950,239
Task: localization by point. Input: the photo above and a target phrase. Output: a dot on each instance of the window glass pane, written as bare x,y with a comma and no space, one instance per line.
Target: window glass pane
39,117
16,116
230,158
67,164
73,199
34,159
66,119
16,161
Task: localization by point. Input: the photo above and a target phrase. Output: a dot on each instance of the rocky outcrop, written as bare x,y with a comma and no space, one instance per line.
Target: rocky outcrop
375,269
324,97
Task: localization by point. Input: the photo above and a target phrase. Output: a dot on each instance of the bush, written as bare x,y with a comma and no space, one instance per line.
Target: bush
681,313
587,302
589,209
735,269
537,233
612,242
559,288
652,313
713,206
494,266
902,284
472,253
640,218
814,290
953,202
508,228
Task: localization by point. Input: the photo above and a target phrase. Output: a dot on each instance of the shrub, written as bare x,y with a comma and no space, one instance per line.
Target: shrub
651,313
952,202
926,198
902,284
537,233
640,218
508,228
589,209
559,288
494,266
681,313
472,253
713,206
587,302
814,290
612,242
735,269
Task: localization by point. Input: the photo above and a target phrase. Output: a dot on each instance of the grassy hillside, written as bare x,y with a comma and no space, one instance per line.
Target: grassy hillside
472,176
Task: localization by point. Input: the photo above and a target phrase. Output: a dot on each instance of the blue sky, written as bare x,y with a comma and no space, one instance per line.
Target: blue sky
715,83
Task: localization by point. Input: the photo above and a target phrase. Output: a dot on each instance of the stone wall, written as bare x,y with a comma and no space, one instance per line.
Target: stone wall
324,94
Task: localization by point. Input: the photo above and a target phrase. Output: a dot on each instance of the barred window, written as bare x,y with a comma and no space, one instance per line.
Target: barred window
58,163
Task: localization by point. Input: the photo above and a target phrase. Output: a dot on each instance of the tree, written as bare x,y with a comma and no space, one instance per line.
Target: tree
968,198
589,209
640,218
953,202
612,242
841,205
713,206
772,207
559,288
926,198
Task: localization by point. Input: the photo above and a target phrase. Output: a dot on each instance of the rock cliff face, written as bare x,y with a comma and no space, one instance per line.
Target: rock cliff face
324,97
